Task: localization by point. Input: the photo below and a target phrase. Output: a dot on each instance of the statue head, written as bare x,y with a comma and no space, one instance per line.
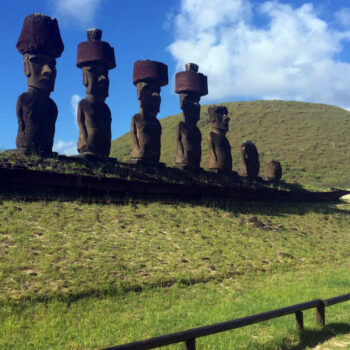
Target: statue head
40,44
191,85
219,117
40,71
189,103
95,79
149,98
95,57
149,76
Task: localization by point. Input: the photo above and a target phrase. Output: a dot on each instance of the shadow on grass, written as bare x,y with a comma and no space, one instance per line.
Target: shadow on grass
233,206
312,338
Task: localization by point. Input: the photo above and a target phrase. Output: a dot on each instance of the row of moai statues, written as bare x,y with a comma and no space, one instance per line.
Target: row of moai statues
40,44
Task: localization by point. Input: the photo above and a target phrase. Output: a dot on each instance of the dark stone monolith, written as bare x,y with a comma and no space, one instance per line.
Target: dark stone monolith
40,44
273,171
249,165
95,58
191,85
148,77
220,159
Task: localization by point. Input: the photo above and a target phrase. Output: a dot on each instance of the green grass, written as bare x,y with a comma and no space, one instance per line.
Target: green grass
83,276
310,140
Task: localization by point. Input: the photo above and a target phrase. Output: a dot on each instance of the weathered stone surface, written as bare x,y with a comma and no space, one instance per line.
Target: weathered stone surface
273,170
150,71
40,35
95,57
220,158
94,50
191,85
249,164
40,43
148,76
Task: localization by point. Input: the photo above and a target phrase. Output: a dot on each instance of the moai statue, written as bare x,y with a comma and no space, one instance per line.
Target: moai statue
191,85
250,164
148,76
220,159
40,44
95,58
273,171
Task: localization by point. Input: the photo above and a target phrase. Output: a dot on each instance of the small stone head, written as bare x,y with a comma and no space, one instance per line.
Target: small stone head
40,44
95,58
149,76
219,117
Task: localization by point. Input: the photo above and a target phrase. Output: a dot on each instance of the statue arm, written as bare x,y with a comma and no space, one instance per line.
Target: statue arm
81,122
179,139
134,137
212,148
19,113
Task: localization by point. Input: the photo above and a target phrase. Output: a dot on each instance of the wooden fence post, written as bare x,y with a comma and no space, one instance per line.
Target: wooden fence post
320,314
300,320
190,344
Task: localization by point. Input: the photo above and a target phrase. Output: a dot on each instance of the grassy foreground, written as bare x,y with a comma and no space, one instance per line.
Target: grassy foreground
84,276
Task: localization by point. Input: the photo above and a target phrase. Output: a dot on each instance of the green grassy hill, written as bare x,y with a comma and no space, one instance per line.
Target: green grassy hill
312,141
79,275
88,273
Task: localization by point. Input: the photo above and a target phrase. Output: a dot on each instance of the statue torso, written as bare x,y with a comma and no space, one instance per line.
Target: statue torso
222,149
97,121
148,133
37,116
190,137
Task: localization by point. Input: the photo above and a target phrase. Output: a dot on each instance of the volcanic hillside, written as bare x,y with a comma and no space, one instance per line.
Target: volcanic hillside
312,141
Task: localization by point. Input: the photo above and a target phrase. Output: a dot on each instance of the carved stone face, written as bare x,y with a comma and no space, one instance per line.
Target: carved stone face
189,103
149,97
220,119
40,71
95,78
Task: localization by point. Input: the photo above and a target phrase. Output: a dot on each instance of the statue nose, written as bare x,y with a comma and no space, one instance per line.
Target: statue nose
46,71
101,78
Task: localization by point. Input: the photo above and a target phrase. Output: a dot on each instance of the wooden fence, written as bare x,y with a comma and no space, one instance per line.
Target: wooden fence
189,337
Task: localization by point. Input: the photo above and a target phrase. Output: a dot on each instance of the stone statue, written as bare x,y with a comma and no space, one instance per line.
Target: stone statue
148,76
220,159
273,170
40,44
191,85
250,164
95,58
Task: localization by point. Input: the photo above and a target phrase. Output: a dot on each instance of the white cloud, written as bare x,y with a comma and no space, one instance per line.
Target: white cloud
65,147
81,10
74,101
343,16
290,57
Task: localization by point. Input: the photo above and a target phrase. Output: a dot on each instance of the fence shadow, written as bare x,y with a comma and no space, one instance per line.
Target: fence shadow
312,338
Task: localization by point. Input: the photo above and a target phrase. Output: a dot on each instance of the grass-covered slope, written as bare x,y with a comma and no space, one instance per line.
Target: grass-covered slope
312,141
86,276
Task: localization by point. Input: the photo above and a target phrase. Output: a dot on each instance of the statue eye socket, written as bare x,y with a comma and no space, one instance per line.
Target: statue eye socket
91,70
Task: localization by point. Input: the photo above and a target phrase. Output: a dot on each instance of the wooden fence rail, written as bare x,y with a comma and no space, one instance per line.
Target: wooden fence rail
189,337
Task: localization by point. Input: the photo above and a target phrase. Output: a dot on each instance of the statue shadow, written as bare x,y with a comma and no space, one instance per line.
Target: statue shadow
312,338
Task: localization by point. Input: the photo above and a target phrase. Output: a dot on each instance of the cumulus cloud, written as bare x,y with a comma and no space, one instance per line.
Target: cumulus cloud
289,55
81,10
74,101
65,147
343,16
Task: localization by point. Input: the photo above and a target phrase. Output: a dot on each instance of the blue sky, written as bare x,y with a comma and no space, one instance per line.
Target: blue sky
290,50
